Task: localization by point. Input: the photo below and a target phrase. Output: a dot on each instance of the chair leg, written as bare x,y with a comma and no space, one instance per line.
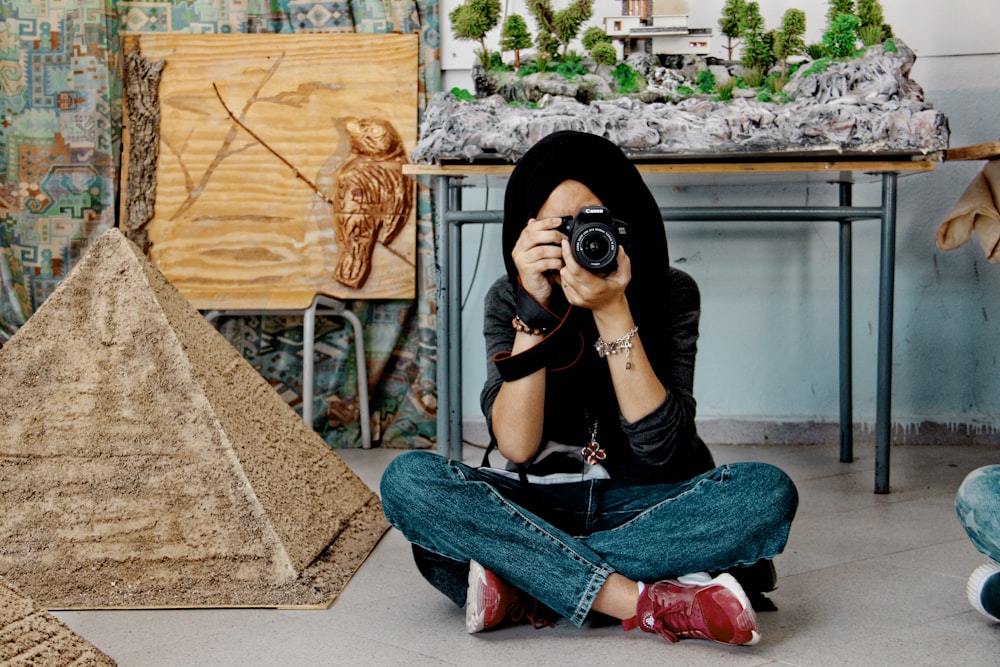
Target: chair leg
336,308
359,353
308,361
331,307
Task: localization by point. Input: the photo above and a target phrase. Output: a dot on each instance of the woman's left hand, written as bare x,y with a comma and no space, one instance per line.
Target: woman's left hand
590,290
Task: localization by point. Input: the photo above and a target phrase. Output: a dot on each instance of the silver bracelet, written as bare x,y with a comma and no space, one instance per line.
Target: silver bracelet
614,347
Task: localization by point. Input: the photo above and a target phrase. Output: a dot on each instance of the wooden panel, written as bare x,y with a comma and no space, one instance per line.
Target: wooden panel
260,191
987,151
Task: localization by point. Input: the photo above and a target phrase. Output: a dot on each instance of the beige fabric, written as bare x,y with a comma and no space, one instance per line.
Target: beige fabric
977,210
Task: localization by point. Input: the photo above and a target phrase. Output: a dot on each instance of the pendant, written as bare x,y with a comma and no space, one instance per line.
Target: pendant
592,453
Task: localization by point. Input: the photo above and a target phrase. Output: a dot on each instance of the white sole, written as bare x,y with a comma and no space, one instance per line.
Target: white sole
974,588
475,615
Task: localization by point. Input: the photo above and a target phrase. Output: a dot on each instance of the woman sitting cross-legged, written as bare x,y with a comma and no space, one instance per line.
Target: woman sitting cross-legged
611,505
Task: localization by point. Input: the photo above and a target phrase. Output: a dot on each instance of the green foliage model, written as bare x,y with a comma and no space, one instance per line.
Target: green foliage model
841,38
514,36
604,53
731,23
472,20
593,36
870,13
725,90
788,41
873,28
757,50
601,49
836,8
626,78
463,95
705,81
562,25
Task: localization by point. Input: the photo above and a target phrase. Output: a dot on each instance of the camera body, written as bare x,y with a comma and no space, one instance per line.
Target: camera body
594,237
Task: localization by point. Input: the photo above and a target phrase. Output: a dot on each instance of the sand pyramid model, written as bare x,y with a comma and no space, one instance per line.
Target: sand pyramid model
31,636
145,463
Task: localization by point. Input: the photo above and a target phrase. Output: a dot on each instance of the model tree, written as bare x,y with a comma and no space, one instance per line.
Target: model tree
836,8
472,20
841,38
731,23
873,29
514,36
757,49
604,53
788,41
559,27
593,36
601,49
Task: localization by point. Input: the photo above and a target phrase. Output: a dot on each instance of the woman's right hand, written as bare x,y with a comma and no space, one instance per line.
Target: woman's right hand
538,255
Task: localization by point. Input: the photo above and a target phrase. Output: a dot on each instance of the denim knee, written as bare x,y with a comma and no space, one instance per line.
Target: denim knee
774,484
403,478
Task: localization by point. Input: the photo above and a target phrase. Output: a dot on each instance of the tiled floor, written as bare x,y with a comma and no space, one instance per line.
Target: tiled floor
866,580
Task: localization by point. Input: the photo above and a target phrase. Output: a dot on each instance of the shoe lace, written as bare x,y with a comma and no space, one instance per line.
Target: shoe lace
673,621
533,612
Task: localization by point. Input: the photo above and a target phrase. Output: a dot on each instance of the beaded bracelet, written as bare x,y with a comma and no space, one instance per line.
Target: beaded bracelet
605,348
519,325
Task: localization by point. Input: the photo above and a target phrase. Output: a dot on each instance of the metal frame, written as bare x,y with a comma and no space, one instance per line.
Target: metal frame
449,219
324,306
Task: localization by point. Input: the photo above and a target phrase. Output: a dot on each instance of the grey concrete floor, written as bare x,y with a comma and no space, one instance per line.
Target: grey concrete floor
866,580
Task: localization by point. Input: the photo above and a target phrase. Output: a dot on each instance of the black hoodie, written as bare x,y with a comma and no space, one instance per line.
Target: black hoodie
663,446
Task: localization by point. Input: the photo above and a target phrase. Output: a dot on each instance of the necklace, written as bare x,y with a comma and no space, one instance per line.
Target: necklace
593,453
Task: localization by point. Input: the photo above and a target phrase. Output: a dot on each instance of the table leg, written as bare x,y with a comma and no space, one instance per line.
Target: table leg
883,398
441,233
455,337
846,350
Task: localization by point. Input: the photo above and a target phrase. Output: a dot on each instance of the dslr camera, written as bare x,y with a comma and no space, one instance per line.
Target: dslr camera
594,237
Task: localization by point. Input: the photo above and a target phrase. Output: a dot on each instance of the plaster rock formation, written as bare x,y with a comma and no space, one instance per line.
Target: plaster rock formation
145,463
864,105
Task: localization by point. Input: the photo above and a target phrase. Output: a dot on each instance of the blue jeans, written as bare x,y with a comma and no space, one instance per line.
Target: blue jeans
978,506
559,543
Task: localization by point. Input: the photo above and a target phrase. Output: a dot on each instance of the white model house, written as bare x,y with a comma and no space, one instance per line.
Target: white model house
657,26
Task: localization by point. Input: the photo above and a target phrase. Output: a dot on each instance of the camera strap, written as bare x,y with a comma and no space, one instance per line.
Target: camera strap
537,316
559,348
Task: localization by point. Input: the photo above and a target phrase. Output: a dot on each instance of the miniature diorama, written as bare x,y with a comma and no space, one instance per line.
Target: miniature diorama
276,166
645,83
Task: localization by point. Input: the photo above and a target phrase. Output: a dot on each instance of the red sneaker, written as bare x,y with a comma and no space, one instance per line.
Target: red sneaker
696,606
490,602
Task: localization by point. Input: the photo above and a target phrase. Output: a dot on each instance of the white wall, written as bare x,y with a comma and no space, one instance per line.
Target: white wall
768,350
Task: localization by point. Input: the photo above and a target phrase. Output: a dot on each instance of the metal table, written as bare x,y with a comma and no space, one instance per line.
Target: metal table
840,170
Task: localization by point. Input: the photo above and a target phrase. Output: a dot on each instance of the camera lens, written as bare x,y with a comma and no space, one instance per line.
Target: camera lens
594,247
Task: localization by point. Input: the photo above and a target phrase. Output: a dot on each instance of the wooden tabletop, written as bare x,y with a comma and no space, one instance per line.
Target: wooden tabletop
713,164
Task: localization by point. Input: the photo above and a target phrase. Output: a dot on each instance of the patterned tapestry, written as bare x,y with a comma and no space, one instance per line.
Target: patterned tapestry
60,139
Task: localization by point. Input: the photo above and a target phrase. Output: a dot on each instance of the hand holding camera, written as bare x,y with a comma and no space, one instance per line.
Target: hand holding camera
594,238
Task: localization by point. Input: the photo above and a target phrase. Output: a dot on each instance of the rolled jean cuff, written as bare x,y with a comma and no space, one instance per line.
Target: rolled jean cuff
597,581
